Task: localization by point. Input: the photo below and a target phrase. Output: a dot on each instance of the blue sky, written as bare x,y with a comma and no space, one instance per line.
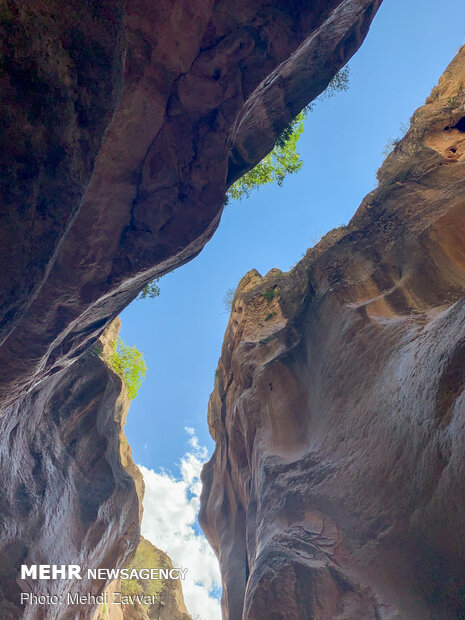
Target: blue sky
409,46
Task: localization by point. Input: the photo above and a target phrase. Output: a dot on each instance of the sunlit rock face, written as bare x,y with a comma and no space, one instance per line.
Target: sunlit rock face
336,487
70,491
168,601
124,123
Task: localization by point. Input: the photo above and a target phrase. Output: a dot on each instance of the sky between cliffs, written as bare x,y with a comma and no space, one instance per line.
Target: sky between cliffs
406,51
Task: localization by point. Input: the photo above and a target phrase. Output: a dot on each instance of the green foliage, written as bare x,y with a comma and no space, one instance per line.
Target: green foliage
150,290
451,102
269,294
284,158
147,556
339,83
129,363
131,587
270,316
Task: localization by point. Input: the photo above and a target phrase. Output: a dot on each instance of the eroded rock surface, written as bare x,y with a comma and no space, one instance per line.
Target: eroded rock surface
123,123
336,487
70,491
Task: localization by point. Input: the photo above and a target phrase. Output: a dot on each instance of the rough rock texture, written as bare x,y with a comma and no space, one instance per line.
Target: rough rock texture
70,491
170,601
123,125
336,490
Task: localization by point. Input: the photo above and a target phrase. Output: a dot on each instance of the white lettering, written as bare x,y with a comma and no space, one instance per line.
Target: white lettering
58,571
112,574
44,571
74,571
28,572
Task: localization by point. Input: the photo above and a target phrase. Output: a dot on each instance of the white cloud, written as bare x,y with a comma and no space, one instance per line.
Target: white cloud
171,505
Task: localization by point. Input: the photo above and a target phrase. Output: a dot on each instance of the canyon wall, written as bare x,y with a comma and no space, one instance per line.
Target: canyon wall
123,124
336,489
71,493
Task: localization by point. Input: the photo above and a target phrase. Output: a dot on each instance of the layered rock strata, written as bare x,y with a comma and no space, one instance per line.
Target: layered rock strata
122,125
336,486
70,491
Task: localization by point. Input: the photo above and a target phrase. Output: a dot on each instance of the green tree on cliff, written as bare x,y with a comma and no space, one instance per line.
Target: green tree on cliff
147,556
274,168
129,363
150,290
284,159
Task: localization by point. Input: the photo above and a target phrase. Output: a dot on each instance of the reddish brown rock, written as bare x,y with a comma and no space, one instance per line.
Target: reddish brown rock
336,490
60,83
70,490
124,123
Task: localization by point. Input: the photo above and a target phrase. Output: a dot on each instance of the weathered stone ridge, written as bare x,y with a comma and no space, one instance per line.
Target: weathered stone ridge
71,493
336,486
124,123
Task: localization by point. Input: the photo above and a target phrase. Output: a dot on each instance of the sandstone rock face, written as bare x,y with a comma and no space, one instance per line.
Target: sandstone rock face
170,601
336,487
70,491
123,125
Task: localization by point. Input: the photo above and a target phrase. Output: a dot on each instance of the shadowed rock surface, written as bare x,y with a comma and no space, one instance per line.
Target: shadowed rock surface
336,490
123,125
70,491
